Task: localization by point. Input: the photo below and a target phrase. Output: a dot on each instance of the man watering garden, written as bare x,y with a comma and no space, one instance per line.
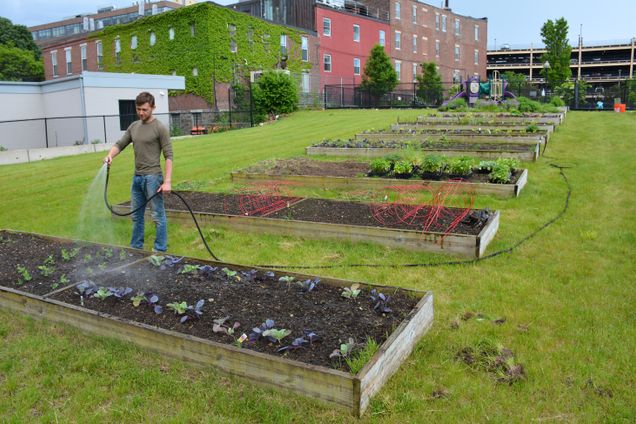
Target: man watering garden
149,138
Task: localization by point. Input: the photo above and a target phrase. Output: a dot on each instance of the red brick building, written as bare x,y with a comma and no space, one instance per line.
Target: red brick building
346,39
424,33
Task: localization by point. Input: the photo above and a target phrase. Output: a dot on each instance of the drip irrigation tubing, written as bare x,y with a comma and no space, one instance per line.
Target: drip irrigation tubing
405,265
110,208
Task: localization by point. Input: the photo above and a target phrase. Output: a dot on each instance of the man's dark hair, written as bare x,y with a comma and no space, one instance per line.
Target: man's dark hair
145,97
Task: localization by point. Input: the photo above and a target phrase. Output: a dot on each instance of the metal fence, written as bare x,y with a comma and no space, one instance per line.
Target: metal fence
96,129
577,95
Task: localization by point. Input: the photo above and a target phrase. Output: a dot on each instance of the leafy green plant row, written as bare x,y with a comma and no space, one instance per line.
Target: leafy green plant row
515,107
435,166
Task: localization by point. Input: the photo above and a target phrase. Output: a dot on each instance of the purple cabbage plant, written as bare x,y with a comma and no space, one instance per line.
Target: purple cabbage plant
219,326
380,302
257,332
307,339
187,311
308,285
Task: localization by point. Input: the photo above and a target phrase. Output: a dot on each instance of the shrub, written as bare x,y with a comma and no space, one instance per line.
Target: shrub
557,101
403,169
461,166
275,93
527,105
510,104
456,104
532,128
380,166
433,164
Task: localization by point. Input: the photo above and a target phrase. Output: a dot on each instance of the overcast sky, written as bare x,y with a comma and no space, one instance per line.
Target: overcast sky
515,22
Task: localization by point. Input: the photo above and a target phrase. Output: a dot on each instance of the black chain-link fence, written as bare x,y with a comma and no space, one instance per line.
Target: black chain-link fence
575,94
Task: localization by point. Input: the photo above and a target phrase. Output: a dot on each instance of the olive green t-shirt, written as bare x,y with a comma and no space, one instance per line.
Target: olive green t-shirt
148,140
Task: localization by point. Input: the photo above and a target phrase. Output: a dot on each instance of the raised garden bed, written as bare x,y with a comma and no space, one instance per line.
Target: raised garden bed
378,148
471,230
135,304
455,135
353,175
494,127
482,117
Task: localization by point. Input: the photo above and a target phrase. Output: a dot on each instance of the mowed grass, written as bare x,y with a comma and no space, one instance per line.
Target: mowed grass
567,295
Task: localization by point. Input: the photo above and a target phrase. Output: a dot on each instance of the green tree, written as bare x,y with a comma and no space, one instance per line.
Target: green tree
555,37
19,65
17,36
517,83
275,93
566,91
379,77
429,84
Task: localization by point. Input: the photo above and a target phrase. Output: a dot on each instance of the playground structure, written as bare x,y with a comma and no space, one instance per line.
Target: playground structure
495,89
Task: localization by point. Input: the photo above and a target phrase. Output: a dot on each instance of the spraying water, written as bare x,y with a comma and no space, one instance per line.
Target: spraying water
95,222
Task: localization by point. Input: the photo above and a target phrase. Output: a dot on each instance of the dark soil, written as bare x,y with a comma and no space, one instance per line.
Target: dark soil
32,251
248,204
387,215
382,215
346,169
472,146
257,296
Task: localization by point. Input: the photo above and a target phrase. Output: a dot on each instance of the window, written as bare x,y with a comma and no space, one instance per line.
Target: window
69,61
133,42
231,28
283,44
476,32
356,32
476,57
153,38
356,66
398,69
304,82
398,40
100,54
54,62
437,22
457,76
173,73
83,56
193,30
233,48
397,10
326,59
414,14
414,72
443,23
456,52
304,46
117,51
457,27
170,33
195,72
127,113
437,48
326,27
414,43
382,37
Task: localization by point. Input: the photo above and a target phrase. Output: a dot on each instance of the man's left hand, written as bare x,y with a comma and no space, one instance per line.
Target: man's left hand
166,187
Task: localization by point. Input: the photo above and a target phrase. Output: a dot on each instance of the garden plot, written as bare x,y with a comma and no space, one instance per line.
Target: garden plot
328,339
458,135
304,172
435,228
377,148
482,117
492,126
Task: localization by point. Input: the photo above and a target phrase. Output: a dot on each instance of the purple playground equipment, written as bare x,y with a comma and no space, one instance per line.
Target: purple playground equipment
495,89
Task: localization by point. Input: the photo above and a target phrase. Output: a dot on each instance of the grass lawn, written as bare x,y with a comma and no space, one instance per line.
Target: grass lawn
565,294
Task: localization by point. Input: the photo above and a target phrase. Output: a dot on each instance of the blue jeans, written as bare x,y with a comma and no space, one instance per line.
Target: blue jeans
143,187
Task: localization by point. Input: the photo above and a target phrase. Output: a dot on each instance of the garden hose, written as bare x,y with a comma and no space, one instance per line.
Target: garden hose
406,265
110,208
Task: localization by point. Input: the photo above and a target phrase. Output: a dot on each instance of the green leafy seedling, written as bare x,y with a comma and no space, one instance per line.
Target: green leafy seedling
189,269
137,299
67,255
24,275
278,334
351,292
156,260
102,293
178,308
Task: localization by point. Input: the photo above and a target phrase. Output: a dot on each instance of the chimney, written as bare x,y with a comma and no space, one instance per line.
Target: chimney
446,6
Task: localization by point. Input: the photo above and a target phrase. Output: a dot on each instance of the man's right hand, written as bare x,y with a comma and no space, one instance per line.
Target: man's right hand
108,160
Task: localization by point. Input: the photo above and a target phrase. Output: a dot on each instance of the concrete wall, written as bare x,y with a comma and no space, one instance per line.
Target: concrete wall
18,106
64,131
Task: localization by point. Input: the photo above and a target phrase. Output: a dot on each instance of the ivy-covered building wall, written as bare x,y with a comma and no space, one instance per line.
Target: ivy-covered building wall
205,44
